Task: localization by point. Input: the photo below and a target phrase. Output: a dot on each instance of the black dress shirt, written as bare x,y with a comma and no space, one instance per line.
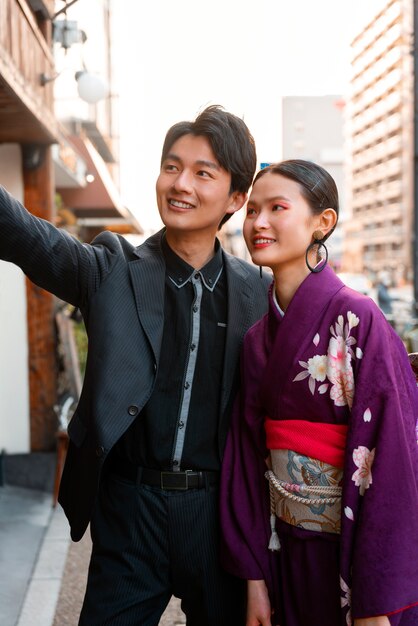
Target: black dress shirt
178,427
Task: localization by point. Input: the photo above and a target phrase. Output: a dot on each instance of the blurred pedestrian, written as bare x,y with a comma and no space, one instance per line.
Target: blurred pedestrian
384,298
165,321
327,412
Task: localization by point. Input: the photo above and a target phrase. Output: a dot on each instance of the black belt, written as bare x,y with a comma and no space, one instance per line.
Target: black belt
181,481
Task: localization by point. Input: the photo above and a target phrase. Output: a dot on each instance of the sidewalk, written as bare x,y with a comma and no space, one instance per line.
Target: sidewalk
25,518
43,573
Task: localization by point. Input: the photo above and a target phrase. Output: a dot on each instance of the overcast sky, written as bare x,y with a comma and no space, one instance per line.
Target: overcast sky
176,58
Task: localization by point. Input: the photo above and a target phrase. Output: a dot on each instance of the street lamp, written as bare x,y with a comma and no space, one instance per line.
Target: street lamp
91,87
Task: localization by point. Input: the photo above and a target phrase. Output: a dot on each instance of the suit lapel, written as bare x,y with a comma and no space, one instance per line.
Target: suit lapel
240,307
148,282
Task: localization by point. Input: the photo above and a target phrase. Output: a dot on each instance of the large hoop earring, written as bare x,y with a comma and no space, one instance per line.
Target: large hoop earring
318,244
261,271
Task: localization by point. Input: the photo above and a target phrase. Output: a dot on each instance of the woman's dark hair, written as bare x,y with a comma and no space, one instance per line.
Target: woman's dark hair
231,142
316,185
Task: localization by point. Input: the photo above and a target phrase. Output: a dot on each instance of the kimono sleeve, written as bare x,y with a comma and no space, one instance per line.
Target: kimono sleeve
244,502
380,510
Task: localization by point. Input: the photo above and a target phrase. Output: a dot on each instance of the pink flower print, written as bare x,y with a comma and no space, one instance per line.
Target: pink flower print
348,512
335,366
352,319
337,350
363,458
342,331
367,415
340,372
315,368
346,599
342,391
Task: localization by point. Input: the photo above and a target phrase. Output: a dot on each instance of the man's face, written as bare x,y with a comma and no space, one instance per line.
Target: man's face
193,189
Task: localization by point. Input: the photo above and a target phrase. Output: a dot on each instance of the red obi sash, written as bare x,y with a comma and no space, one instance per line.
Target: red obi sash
325,442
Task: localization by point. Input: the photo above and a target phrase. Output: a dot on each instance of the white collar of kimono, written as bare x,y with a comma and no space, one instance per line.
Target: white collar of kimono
276,302
280,310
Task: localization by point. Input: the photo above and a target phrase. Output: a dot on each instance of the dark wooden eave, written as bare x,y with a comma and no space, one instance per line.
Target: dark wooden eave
26,107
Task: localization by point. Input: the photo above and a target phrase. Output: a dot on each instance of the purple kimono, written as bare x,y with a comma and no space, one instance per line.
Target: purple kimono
331,358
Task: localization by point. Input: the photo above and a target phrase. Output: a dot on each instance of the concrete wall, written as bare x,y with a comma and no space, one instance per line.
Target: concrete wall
14,376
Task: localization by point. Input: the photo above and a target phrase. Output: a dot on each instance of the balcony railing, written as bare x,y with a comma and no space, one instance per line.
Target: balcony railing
24,57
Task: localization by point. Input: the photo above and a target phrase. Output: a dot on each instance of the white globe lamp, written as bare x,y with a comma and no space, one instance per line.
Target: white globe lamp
91,88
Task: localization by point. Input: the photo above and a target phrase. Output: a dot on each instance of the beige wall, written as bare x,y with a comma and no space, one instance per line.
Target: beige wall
14,376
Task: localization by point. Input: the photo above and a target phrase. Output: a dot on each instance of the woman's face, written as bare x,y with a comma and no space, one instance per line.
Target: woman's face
279,223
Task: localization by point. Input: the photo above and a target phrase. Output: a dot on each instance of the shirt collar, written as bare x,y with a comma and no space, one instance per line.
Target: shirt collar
181,272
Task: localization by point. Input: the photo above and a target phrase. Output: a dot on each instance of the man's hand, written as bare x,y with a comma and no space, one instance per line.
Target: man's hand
372,621
258,604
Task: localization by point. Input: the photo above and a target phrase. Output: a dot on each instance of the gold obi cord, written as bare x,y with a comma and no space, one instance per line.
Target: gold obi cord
304,492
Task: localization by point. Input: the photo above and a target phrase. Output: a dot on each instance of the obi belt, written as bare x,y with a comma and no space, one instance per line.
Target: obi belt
306,474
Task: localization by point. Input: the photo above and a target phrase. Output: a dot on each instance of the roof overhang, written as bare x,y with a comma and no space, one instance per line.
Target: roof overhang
26,107
99,199
70,169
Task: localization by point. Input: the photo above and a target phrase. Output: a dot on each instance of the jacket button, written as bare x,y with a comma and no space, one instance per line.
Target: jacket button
100,451
133,410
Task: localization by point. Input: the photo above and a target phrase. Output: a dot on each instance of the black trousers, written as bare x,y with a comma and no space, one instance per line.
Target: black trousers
150,544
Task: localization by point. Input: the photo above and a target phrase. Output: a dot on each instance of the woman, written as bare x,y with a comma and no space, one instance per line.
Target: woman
329,403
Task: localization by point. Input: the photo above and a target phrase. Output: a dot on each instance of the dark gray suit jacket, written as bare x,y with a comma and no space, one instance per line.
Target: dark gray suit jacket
119,289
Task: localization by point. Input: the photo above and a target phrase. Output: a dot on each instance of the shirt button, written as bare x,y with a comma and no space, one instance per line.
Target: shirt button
193,347
175,463
181,424
210,281
186,385
195,308
197,276
133,410
100,451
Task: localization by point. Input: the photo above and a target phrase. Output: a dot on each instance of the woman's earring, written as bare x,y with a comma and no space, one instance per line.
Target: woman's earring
261,271
318,245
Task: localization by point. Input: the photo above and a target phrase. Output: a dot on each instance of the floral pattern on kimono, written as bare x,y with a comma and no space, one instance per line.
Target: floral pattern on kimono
336,364
346,600
357,373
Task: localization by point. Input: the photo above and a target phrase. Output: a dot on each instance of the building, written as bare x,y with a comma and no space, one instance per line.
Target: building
312,129
84,60
63,169
379,233
28,126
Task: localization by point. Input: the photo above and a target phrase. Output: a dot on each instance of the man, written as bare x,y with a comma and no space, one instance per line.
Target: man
165,322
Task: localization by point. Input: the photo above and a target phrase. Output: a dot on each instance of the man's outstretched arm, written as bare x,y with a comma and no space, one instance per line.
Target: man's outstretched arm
50,257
